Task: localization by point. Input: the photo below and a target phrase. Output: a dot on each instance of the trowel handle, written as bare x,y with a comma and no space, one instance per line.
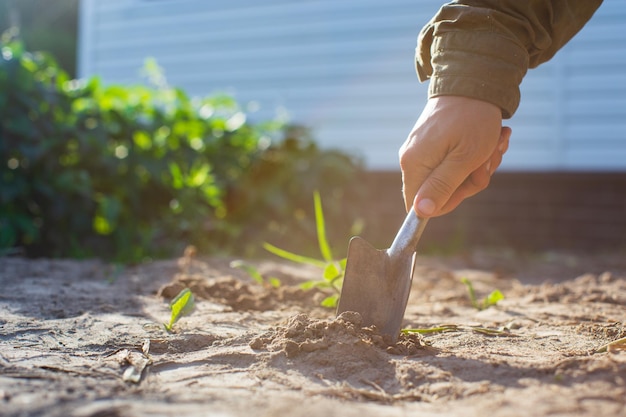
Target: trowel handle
408,235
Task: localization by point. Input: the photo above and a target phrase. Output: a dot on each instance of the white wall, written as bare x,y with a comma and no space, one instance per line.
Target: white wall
346,69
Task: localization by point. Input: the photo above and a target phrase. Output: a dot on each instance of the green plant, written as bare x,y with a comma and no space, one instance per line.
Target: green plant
135,172
333,270
490,300
182,305
255,274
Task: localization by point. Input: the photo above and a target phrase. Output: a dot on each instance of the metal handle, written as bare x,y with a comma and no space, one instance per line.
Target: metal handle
408,236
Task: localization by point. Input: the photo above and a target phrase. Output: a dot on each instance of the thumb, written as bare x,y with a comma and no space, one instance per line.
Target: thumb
439,186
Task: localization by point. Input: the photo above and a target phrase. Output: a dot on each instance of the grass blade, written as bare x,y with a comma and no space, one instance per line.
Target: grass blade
619,344
471,293
321,228
293,256
439,329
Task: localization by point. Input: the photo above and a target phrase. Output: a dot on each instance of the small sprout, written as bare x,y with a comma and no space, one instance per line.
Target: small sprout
255,274
333,270
330,301
491,300
181,305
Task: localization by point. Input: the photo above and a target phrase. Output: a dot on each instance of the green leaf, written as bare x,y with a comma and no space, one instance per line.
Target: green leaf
181,305
308,285
321,228
142,139
250,270
331,272
274,282
292,256
177,176
330,301
198,176
493,298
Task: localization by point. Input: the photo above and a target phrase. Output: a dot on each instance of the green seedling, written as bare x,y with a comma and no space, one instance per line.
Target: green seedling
333,269
491,300
256,275
181,305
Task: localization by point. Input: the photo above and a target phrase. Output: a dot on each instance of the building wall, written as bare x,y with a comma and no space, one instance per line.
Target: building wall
532,211
346,69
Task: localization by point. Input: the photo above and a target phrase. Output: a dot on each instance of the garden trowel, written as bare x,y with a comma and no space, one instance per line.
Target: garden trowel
377,282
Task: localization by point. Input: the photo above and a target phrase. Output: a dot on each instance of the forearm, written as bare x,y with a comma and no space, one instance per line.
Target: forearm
483,48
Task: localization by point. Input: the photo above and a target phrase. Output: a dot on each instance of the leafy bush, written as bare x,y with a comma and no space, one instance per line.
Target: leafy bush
134,172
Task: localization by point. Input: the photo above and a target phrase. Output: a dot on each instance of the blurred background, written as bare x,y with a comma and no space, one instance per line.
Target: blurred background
345,72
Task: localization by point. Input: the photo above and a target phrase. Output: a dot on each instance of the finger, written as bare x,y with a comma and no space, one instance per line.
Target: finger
505,136
476,182
414,174
439,187
480,178
503,144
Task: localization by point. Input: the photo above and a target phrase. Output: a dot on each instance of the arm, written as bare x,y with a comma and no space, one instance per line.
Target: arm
476,53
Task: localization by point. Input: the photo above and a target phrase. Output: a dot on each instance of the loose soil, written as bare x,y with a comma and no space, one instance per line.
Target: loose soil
86,339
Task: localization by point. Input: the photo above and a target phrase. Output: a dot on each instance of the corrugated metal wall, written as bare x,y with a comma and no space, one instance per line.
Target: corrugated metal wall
345,68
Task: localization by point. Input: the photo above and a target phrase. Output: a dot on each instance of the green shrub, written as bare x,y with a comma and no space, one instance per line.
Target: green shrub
127,173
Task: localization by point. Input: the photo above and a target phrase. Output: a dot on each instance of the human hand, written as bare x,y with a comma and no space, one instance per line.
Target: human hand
450,154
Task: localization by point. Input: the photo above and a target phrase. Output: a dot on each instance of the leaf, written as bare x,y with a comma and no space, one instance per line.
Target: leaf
250,270
292,256
198,175
330,301
493,298
321,228
274,282
308,285
181,305
331,272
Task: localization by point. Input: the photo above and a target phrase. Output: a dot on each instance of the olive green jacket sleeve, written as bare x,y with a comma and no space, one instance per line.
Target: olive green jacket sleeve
483,48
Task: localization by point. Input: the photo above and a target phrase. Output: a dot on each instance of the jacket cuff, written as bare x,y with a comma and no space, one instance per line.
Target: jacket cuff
481,65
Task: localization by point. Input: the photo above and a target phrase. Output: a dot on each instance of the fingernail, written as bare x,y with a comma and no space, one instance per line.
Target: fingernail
426,207
488,166
501,147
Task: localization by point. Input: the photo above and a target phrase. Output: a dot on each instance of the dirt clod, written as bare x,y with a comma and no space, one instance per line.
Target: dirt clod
303,334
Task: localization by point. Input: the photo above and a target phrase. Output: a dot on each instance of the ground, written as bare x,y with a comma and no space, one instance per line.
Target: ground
83,338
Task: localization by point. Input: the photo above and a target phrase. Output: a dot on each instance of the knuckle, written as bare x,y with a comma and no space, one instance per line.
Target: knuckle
440,186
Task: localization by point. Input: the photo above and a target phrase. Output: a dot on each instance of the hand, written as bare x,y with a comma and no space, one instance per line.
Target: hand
455,146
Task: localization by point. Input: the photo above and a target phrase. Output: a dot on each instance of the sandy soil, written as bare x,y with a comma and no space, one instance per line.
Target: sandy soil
86,339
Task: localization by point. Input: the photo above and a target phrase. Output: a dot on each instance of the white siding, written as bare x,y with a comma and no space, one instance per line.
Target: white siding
346,69
573,111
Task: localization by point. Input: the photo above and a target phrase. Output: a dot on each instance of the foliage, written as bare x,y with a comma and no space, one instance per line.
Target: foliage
490,300
44,25
333,270
127,173
182,305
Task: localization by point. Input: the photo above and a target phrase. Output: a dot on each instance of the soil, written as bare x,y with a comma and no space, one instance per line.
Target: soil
86,339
